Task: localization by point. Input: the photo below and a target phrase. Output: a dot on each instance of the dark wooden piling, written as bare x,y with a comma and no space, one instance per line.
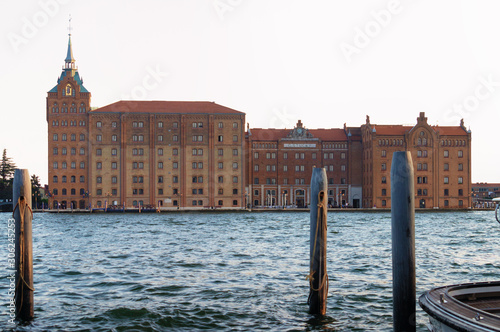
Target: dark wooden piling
403,241
318,277
23,216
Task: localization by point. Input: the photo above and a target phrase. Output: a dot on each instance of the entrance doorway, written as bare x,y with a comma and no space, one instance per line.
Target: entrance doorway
422,203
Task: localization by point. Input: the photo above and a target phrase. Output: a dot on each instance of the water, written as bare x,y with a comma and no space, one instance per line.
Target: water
235,271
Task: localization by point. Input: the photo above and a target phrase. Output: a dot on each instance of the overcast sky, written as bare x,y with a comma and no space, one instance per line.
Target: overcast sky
324,62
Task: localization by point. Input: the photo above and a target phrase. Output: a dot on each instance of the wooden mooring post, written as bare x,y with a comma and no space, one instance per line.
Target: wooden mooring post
318,277
23,216
403,241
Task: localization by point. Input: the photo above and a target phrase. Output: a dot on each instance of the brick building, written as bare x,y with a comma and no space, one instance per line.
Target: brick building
441,161
483,193
198,155
168,154
280,163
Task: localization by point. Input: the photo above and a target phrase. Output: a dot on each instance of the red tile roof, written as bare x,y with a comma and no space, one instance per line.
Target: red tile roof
189,107
450,131
399,130
259,134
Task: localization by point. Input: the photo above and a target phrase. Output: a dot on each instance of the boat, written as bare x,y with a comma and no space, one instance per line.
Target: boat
464,307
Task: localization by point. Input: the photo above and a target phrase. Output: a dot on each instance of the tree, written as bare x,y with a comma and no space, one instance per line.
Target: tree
35,191
7,168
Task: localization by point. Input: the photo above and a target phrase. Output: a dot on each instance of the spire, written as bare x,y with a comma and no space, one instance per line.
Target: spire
69,61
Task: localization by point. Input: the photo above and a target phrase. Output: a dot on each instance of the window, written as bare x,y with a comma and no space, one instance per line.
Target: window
220,179
113,124
114,179
64,151
54,138
114,152
460,203
460,167
235,191
220,152
384,180
64,179
82,165
160,179
285,155
235,125
73,137
256,168
235,179
446,180
82,151
114,138
175,152
175,165
175,138
235,152
255,155
220,138
82,137
54,179
446,153
160,124
235,165
384,192
55,152
384,166
82,179
175,125
285,168
460,192
98,152
73,165
268,155
114,165
175,179
160,165
64,137
99,165
460,180
446,202
220,165
460,154
383,153
384,202
235,138
235,202
98,124
342,155
221,125
64,165
73,179
98,138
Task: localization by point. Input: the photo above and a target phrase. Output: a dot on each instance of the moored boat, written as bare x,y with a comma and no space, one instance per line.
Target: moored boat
464,307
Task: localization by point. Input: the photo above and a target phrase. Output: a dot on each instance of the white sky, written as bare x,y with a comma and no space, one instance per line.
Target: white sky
276,60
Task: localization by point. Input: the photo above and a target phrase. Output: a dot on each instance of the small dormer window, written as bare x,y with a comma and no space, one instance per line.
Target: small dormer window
69,90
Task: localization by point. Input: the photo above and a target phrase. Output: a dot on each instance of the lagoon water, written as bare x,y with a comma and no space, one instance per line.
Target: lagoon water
235,271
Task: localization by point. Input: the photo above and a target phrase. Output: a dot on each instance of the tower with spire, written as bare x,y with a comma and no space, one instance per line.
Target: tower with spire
68,103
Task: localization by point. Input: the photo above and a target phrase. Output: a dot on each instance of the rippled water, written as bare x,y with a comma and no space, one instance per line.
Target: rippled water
235,271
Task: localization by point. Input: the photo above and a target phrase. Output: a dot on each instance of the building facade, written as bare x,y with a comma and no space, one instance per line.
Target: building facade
280,164
483,193
441,162
139,153
176,155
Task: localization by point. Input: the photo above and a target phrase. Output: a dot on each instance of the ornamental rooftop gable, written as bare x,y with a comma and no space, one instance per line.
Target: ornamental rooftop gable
166,107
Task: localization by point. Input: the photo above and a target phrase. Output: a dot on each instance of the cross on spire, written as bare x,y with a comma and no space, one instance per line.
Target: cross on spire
69,26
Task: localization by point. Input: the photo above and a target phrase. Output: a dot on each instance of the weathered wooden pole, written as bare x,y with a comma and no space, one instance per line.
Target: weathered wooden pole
318,277
403,241
23,216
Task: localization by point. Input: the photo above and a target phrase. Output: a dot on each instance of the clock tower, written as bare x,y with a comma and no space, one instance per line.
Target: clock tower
67,109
